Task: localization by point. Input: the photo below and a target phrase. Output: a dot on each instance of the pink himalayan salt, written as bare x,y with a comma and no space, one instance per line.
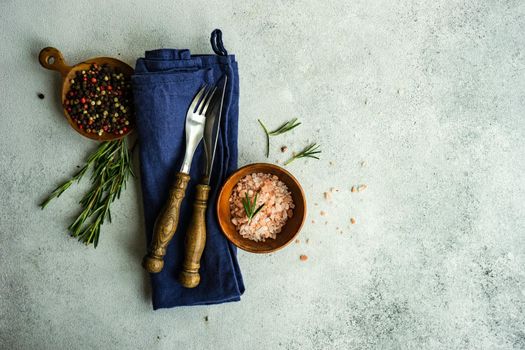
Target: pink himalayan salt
278,206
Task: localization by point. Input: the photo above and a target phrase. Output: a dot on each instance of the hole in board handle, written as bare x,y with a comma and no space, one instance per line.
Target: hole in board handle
51,60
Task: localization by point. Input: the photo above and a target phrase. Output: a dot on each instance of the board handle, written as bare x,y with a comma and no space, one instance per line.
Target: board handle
195,240
166,225
52,58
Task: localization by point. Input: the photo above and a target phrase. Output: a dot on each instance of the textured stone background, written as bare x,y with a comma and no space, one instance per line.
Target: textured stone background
429,93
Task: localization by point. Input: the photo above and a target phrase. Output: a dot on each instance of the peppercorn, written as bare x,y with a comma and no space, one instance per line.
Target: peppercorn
97,93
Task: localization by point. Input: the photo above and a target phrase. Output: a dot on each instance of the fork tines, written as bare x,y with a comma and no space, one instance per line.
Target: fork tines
202,100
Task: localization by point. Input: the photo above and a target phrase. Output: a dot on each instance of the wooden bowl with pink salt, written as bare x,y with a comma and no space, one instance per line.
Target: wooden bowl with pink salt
261,208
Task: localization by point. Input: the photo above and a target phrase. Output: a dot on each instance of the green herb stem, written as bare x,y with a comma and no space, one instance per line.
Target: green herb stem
289,125
250,207
267,138
285,127
309,151
111,166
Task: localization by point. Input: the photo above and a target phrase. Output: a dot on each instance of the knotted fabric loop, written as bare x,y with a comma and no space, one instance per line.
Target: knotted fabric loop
216,43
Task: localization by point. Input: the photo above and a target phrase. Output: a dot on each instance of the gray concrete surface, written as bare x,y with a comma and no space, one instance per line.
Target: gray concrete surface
429,94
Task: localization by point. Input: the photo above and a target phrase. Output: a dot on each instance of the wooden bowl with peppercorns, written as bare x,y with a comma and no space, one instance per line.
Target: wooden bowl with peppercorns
96,95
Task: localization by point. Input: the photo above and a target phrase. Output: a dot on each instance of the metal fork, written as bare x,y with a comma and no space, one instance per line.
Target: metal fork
168,219
195,121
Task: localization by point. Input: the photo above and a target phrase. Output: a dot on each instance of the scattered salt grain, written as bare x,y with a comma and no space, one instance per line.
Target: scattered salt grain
358,188
361,187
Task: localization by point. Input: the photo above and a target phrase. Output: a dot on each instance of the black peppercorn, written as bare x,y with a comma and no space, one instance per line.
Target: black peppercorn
99,93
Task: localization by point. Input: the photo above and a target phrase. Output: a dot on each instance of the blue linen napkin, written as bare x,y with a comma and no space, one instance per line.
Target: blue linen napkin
164,84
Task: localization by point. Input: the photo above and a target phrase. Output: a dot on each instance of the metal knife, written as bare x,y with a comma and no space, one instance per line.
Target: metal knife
196,235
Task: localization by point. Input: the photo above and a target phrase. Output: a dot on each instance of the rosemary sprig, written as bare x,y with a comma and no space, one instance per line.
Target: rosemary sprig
77,177
250,207
308,152
289,125
110,167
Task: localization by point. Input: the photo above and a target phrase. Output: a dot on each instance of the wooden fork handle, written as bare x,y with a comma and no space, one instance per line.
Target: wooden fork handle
166,225
195,240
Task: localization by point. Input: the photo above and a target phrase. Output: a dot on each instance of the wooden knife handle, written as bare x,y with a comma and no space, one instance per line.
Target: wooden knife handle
195,240
166,225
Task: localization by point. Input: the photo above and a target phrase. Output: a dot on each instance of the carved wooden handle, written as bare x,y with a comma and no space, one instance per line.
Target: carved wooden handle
51,58
195,240
166,225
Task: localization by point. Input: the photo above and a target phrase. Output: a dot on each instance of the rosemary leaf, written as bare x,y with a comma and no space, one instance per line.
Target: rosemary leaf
267,138
309,151
289,125
257,210
62,188
111,167
250,207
